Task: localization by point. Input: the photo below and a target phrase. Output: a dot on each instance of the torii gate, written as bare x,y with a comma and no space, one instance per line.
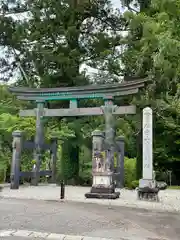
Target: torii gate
73,94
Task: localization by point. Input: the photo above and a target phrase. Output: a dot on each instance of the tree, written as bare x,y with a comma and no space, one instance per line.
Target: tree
55,38
153,51
58,37
134,6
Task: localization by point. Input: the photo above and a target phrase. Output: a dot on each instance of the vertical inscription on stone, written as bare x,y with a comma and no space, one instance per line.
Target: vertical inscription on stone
147,143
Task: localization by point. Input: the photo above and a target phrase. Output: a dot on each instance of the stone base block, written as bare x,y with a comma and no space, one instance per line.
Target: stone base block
114,195
149,183
102,180
148,190
148,194
103,189
14,186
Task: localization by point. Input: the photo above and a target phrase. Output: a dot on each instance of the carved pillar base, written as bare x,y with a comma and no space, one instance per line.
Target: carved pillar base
53,159
103,188
34,178
13,185
39,141
16,157
120,166
148,190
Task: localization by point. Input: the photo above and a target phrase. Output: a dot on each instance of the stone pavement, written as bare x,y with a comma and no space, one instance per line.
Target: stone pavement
169,199
25,234
47,236
44,218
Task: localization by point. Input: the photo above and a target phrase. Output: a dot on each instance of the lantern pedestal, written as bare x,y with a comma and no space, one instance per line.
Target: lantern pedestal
103,187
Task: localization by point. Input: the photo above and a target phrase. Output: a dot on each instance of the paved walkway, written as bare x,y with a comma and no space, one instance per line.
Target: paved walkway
27,219
42,235
26,234
169,199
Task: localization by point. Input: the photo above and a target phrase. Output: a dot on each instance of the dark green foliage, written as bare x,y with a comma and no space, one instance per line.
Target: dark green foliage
134,184
130,171
70,161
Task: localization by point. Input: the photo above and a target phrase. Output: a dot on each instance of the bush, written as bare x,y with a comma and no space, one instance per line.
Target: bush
134,184
2,175
85,177
129,171
161,185
174,187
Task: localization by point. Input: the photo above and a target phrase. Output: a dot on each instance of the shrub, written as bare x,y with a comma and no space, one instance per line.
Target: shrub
174,187
129,171
134,184
85,177
2,175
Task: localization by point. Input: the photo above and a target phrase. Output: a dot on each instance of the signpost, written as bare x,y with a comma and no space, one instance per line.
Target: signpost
147,143
147,185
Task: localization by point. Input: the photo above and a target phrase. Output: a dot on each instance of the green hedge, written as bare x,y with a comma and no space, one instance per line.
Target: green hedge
130,173
174,187
2,175
134,184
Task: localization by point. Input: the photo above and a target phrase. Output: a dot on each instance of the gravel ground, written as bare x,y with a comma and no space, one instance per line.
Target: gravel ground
169,199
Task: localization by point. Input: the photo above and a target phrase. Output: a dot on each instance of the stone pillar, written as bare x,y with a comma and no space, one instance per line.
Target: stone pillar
103,161
98,164
147,144
53,159
108,110
16,158
97,156
39,141
120,143
147,185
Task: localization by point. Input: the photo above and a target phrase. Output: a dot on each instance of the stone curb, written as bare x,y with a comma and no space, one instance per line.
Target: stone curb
47,236
55,236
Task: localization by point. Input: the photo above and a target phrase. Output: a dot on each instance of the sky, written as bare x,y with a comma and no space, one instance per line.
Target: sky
116,3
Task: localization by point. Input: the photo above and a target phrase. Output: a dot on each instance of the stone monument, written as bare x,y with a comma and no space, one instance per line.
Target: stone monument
147,185
102,169
16,158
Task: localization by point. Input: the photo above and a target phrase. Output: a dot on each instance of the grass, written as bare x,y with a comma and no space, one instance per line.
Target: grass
174,187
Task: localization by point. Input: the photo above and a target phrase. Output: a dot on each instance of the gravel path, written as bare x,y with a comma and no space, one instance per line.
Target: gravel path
169,199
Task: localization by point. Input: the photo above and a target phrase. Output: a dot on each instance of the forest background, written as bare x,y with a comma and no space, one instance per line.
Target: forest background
50,43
